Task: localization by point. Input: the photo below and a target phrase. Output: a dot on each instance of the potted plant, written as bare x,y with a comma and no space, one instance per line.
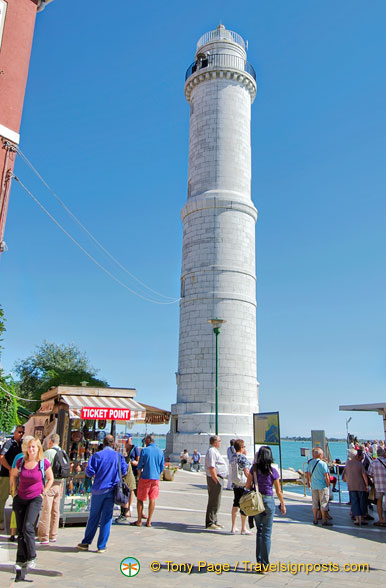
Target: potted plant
168,473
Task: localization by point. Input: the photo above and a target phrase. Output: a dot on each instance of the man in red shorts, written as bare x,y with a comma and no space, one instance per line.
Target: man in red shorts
150,466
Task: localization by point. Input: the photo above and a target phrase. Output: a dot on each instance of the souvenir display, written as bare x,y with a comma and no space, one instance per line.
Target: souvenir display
76,436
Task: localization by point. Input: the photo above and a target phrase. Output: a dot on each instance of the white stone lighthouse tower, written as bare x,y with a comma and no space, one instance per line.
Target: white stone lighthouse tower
218,278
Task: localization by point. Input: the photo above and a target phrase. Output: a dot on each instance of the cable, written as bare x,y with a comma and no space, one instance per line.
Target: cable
19,397
86,252
86,230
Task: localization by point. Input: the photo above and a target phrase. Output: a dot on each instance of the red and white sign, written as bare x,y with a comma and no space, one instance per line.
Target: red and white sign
109,414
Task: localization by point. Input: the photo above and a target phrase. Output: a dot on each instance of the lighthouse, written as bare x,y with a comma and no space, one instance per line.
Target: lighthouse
218,276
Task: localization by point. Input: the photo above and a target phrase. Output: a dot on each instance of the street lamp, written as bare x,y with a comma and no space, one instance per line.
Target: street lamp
216,324
347,422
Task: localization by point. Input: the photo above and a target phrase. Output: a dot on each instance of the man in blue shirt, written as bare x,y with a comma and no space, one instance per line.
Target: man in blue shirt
318,478
103,466
150,467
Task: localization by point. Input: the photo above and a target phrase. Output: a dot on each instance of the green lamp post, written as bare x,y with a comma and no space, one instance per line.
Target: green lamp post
216,324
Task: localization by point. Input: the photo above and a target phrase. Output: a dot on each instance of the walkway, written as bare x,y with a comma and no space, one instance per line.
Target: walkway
178,536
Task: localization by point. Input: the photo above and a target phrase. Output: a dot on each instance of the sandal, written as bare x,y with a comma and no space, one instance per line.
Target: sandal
378,524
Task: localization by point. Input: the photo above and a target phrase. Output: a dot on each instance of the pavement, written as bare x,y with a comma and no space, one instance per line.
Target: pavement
201,558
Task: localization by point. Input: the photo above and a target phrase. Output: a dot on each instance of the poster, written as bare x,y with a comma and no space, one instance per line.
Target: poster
266,428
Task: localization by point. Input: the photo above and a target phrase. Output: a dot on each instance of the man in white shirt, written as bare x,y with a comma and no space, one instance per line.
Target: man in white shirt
216,470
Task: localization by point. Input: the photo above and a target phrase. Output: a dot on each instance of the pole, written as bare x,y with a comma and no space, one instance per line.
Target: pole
281,467
216,332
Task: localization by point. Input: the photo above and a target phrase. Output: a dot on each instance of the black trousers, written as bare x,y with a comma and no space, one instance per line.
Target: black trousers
26,512
214,500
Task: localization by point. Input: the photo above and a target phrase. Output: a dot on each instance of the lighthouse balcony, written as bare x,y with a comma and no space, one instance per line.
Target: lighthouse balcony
220,61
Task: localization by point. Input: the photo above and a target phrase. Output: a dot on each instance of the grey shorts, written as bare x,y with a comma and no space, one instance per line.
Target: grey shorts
320,499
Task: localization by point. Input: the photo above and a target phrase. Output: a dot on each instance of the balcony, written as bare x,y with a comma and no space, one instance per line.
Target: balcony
221,34
220,61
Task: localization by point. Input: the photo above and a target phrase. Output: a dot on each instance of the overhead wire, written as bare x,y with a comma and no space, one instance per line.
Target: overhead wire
94,239
91,257
18,397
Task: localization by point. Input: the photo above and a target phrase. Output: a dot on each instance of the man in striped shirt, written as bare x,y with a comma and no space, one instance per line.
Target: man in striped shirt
377,470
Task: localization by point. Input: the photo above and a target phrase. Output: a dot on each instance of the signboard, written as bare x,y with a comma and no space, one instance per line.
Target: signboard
266,428
3,10
116,414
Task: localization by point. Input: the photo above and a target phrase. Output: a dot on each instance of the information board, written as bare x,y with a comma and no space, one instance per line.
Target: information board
266,428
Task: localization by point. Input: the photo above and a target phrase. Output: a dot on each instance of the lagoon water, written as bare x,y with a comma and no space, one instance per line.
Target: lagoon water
291,458
290,451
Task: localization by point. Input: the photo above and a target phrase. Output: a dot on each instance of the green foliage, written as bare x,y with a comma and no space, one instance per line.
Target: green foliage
8,404
8,412
53,365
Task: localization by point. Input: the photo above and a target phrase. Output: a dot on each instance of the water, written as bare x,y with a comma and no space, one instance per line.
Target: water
291,458
290,450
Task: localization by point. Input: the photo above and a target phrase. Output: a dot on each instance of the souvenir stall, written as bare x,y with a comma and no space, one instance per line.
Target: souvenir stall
82,417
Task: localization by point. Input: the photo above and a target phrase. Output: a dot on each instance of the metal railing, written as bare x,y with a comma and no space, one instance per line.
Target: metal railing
221,60
221,34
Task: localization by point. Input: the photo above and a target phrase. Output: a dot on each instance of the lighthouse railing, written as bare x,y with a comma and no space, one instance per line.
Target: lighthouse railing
220,34
219,61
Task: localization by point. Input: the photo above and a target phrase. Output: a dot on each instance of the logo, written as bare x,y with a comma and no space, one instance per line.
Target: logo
130,566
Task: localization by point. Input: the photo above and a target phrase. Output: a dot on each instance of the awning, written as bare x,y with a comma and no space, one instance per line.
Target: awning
104,408
156,416
379,407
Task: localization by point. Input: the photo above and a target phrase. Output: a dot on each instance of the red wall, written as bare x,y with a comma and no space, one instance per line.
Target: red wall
14,63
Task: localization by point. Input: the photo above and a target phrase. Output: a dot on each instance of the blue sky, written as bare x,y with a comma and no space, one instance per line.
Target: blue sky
105,122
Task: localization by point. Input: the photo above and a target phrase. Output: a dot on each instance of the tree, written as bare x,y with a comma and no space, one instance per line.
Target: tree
54,365
8,403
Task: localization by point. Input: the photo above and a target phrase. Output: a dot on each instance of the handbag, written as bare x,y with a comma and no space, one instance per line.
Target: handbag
121,490
251,503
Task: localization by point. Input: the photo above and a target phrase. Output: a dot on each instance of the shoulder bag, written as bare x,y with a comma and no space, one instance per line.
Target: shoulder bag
251,503
121,490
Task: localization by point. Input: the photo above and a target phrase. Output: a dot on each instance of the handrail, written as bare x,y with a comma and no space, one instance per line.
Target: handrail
219,34
221,60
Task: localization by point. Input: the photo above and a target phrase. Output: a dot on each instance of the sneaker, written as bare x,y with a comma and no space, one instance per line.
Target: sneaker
213,527
52,540
219,526
102,550
43,542
82,546
120,518
31,564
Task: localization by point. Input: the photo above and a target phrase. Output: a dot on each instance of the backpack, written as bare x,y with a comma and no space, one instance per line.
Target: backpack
237,474
61,464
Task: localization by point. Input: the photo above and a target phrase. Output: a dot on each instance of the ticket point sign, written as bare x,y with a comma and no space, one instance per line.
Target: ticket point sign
109,414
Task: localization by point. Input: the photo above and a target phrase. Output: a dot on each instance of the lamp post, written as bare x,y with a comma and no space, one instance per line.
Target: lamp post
347,422
216,324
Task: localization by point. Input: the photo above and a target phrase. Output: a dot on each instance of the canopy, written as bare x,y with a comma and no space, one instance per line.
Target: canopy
379,407
104,407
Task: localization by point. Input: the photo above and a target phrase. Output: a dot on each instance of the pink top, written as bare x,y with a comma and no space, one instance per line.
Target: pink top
31,481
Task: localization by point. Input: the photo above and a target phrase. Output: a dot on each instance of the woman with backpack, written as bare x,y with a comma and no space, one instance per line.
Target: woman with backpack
267,478
30,479
238,472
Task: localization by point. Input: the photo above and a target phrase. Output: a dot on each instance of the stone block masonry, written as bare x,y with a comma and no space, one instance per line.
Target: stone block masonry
218,275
